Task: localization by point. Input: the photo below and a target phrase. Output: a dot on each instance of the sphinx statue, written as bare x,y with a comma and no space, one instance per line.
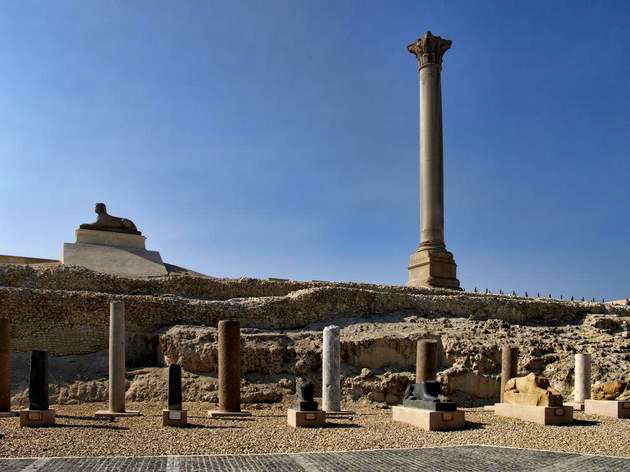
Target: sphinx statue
531,390
106,222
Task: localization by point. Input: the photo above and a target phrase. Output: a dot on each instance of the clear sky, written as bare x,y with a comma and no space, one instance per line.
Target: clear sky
280,138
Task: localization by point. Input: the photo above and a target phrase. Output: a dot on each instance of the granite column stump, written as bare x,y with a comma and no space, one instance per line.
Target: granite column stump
174,415
426,360
38,413
5,369
431,265
229,371
117,371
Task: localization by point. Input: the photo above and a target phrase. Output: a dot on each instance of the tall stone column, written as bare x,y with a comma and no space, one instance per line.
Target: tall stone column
431,265
582,389
426,360
229,370
174,415
5,366
331,365
38,413
509,365
117,355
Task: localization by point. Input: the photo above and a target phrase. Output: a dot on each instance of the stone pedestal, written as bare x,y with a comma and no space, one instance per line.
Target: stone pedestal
544,415
229,371
114,253
429,420
331,364
431,265
5,369
117,377
174,417
33,418
509,366
610,408
306,419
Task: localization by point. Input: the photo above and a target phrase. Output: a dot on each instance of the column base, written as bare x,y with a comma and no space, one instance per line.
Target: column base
306,419
429,420
433,268
174,417
9,414
610,408
32,418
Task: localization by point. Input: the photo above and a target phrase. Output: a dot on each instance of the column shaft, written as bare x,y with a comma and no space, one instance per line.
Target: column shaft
509,365
331,365
582,389
431,158
229,366
38,381
5,365
426,360
174,387
117,381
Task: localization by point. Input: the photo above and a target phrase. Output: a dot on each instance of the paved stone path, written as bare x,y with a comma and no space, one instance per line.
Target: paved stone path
464,458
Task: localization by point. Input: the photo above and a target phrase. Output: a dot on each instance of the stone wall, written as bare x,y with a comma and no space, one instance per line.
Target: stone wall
66,310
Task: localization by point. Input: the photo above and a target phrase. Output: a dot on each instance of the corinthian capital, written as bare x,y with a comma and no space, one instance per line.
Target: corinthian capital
429,49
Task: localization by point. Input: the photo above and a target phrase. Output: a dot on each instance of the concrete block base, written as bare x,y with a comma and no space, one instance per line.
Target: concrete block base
174,417
32,418
9,414
610,408
112,414
429,420
228,414
306,419
545,415
433,268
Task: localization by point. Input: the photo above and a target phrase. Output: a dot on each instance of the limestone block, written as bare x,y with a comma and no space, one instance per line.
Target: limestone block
174,417
306,419
531,390
432,268
545,415
429,420
610,408
37,418
609,390
110,238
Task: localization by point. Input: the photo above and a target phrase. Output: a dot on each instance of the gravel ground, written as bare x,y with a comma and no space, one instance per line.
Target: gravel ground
78,434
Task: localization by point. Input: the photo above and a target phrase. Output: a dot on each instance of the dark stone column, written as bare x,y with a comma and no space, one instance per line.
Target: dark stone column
427,360
5,365
229,366
174,387
509,365
38,386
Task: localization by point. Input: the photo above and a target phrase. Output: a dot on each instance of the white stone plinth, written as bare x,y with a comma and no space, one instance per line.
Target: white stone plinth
429,420
37,418
113,253
610,408
545,415
306,419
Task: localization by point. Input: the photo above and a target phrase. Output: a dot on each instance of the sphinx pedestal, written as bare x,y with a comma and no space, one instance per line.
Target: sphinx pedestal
610,408
544,415
306,419
113,253
429,420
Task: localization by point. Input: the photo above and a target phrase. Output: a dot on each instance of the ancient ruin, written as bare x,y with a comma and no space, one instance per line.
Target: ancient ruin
306,412
38,413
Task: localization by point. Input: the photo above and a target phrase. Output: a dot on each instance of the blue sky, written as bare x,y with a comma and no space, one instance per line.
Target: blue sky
279,138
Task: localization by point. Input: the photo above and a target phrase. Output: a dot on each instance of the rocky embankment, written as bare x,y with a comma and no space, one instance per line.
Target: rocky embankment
173,319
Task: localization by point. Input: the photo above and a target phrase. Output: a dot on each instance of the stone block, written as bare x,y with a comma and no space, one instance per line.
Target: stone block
306,419
125,261
429,420
544,415
610,408
110,238
31,418
433,268
174,417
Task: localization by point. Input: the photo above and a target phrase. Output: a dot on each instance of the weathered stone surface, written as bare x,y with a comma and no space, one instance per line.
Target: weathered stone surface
609,390
38,384
229,366
174,387
531,390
